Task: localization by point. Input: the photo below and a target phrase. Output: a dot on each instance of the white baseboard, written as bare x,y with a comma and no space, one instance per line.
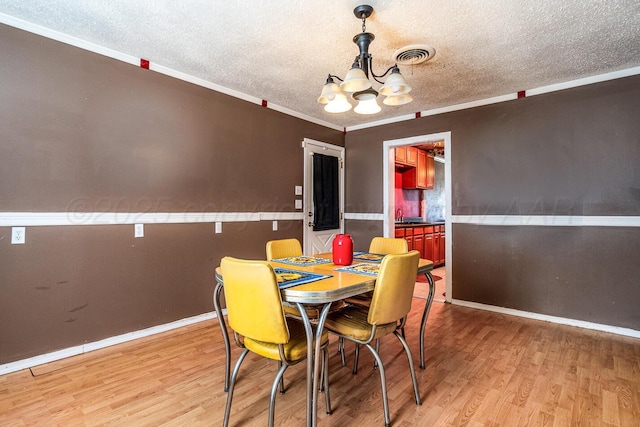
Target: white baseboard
553,319
107,342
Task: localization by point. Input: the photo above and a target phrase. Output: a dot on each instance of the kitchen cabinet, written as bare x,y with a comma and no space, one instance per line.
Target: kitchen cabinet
418,240
408,236
429,240
406,156
431,172
428,244
436,247
439,245
422,176
442,247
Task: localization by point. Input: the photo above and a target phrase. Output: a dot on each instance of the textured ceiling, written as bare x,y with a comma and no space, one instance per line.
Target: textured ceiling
282,50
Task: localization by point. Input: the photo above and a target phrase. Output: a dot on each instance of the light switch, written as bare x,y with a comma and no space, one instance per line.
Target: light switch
218,227
298,204
274,225
298,190
138,230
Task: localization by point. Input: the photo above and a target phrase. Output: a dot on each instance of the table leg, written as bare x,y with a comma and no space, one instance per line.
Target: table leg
309,333
425,314
225,335
316,363
313,358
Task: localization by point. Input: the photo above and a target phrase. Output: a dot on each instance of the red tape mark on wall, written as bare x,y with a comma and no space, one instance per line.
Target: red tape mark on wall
144,63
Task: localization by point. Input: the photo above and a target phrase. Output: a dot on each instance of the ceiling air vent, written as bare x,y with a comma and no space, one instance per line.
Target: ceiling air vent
413,54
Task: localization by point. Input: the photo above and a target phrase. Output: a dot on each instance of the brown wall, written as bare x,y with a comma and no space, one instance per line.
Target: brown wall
83,133
573,152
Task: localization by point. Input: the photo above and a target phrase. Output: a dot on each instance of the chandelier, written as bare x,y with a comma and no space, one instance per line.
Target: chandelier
395,89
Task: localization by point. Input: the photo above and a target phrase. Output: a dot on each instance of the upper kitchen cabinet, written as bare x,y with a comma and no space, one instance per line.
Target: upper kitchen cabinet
406,156
422,176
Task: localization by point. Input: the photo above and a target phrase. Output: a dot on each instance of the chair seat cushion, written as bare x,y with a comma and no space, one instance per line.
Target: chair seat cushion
351,322
294,350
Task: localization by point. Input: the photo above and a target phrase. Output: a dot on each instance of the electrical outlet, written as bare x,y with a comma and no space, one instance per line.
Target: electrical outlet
298,204
138,230
218,227
17,235
298,190
274,225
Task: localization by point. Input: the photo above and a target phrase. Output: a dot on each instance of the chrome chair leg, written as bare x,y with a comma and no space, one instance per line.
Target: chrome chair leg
281,379
225,335
425,315
274,389
325,375
341,351
411,367
356,356
232,384
383,383
375,363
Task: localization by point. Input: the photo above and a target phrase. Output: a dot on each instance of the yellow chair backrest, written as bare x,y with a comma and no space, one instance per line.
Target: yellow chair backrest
254,304
388,245
283,248
393,292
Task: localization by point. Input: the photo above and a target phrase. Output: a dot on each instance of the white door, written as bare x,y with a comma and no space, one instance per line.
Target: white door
319,241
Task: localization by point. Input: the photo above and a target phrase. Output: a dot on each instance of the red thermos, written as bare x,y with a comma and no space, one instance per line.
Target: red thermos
342,249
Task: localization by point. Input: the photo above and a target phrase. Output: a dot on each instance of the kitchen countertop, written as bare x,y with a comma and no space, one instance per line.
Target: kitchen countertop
417,223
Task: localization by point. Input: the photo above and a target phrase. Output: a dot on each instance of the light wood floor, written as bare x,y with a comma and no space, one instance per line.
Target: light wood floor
483,369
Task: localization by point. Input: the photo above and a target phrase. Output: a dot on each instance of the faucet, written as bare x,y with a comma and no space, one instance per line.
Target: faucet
399,215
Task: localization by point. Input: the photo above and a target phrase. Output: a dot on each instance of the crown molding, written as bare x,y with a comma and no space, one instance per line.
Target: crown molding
129,59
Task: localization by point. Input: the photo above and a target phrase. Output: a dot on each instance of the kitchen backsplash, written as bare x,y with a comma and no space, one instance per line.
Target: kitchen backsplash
406,200
410,201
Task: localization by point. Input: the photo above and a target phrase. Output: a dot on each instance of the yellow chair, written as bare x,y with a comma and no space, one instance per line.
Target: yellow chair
387,313
255,314
378,245
283,248
383,246
388,245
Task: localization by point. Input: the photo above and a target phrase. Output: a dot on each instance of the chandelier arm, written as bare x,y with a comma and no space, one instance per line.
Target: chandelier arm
333,75
376,76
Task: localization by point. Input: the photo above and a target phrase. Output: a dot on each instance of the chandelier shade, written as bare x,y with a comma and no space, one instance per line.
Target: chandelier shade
329,91
357,80
395,84
398,99
367,102
338,105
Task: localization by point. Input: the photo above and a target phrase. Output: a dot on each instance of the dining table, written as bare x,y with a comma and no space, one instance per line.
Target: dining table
316,283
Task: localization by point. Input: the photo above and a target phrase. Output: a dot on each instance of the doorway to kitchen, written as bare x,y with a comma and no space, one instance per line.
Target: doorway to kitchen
389,202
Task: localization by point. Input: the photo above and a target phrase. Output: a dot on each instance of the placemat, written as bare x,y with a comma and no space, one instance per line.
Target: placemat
363,268
302,261
288,278
367,256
